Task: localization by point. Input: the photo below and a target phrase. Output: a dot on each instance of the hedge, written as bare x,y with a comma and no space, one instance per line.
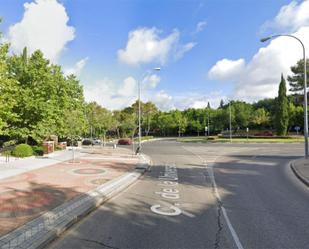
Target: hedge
22,150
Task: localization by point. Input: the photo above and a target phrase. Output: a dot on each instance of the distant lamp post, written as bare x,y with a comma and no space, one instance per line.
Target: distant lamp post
139,108
305,87
230,121
247,130
208,126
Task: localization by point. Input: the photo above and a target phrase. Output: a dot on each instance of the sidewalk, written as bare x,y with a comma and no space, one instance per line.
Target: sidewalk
17,166
301,169
37,195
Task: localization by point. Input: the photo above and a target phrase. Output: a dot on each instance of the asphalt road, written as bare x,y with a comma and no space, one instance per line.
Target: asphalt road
204,196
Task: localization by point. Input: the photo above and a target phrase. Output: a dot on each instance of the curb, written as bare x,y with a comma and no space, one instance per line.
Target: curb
298,174
39,232
152,140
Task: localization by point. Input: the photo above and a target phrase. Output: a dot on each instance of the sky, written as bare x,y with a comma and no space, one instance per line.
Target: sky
207,50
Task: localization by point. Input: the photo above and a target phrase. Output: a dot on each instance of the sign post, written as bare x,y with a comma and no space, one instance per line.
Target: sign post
297,129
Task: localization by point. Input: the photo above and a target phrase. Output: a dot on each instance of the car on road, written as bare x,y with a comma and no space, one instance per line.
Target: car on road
87,141
97,142
124,141
264,134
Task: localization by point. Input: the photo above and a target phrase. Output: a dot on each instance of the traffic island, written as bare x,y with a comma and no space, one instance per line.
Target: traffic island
300,168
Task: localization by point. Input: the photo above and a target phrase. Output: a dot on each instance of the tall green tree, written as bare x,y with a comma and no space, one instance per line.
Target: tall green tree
44,96
282,114
242,112
8,93
296,115
148,110
296,80
180,122
260,118
99,119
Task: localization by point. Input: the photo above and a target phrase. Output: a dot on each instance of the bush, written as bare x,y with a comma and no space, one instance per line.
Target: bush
38,150
58,147
22,150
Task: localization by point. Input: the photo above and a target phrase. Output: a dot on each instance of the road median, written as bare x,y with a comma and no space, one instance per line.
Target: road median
300,168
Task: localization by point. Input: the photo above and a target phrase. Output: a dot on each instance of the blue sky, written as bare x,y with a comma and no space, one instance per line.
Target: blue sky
208,50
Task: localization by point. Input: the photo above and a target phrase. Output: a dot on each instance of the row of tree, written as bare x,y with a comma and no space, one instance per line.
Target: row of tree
37,100
282,114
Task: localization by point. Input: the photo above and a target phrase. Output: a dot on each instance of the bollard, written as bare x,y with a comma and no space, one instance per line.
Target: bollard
137,150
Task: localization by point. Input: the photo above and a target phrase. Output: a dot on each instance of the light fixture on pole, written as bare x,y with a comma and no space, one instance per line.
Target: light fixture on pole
230,121
305,87
139,107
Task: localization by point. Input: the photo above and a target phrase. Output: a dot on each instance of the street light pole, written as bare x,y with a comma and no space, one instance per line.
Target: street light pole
208,124
139,108
139,117
305,87
230,121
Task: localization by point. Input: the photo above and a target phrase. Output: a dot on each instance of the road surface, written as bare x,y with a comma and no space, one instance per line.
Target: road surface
204,196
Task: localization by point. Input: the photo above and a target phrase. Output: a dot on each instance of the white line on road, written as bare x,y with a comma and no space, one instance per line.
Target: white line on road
228,222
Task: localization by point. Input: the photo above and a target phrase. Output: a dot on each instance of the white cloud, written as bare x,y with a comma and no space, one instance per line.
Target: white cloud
44,26
151,81
182,49
112,95
116,96
167,102
78,67
128,88
163,101
260,77
291,17
146,46
198,100
200,27
226,69
198,104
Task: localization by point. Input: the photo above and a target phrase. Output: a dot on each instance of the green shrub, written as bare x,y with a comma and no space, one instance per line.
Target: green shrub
61,146
38,150
22,150
6,153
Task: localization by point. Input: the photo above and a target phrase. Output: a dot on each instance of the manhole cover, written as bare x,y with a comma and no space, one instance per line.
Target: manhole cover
89,171
99,181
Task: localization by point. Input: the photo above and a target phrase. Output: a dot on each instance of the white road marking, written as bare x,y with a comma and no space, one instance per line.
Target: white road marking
186,213
227,220
168,179
172,210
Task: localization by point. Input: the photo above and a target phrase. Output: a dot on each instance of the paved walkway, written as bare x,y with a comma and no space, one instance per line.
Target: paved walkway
301,169
31,187
17,166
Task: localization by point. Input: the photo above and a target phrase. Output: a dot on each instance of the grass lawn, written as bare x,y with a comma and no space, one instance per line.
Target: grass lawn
241,140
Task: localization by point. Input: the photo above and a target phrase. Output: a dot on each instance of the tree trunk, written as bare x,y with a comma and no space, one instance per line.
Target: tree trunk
148,128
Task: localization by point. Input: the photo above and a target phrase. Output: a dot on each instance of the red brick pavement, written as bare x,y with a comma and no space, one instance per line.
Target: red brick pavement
29,195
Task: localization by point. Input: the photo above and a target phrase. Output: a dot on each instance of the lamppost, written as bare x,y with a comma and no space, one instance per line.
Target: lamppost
208,127
305,87
139,107
230,121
